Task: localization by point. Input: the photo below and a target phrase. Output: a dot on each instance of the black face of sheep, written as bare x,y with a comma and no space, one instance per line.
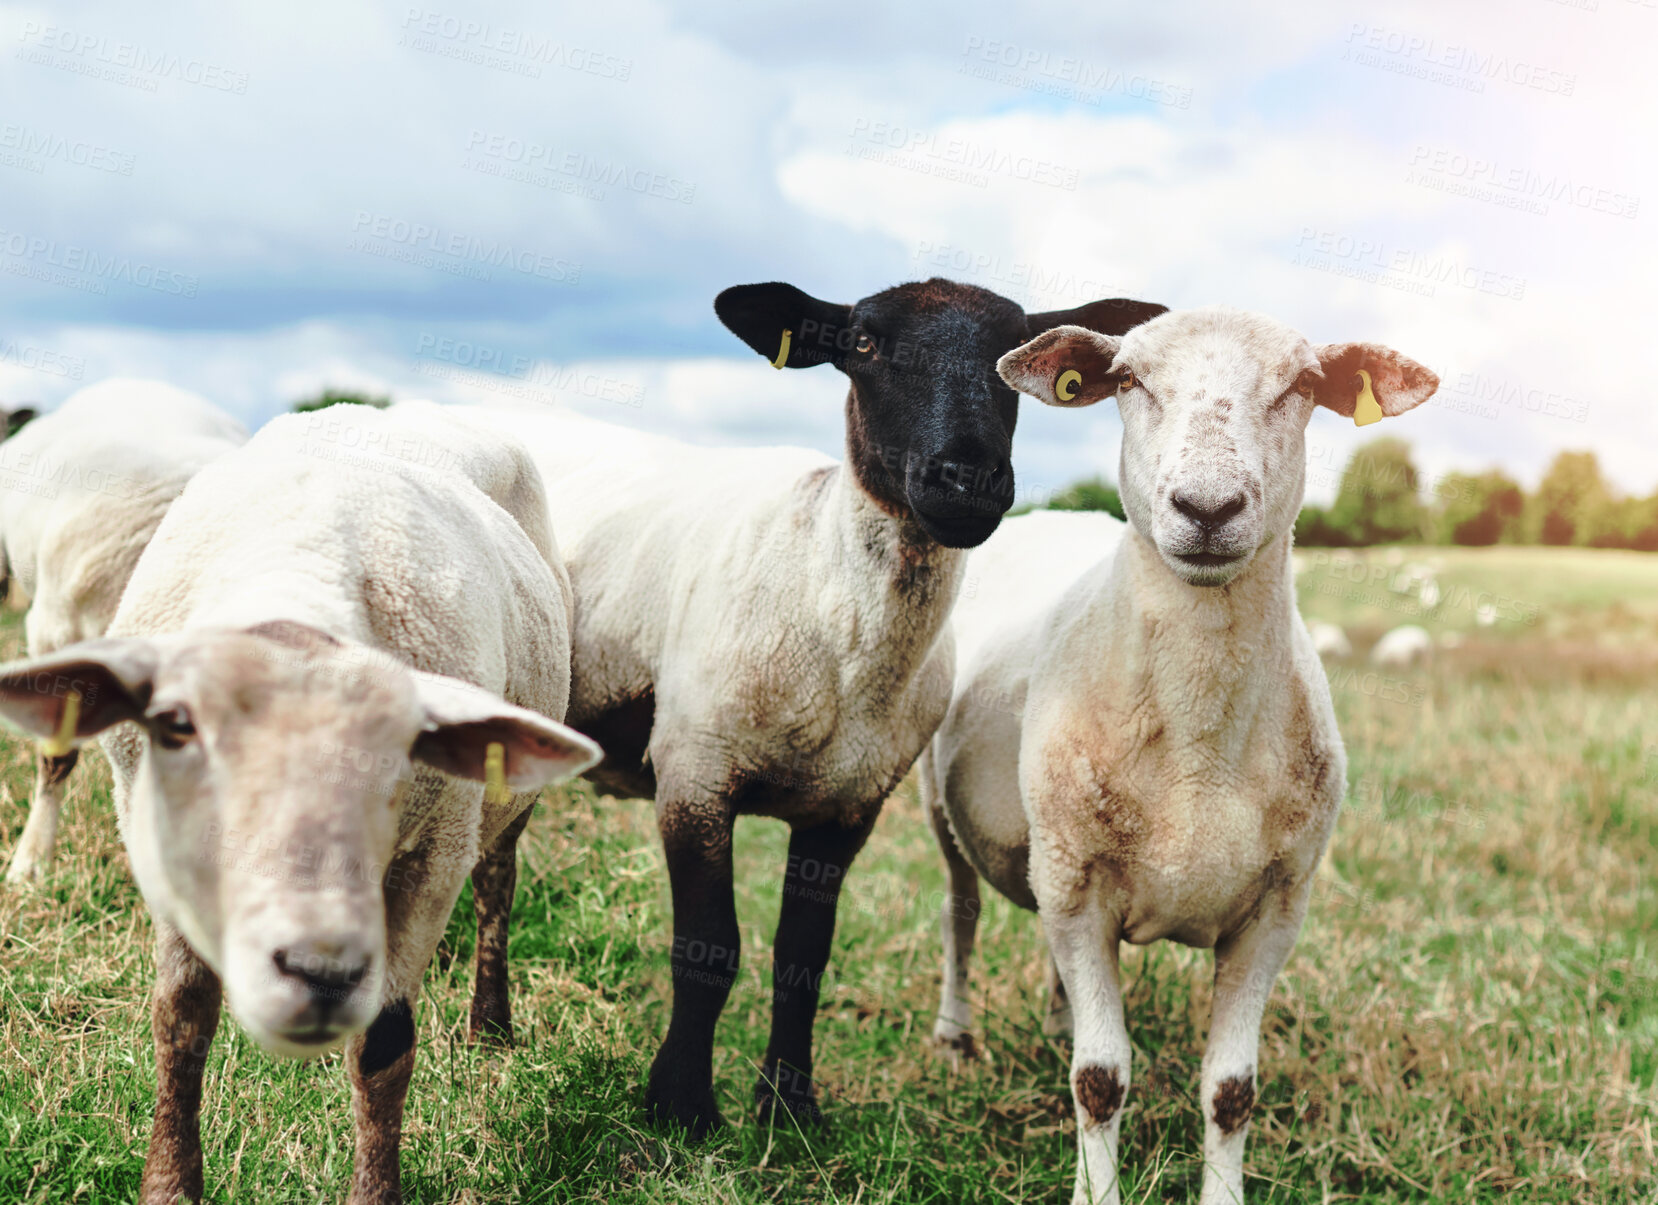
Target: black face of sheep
929,421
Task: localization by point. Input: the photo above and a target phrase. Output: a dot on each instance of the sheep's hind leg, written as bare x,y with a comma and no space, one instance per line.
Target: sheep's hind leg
696,839
494,881
958,923
40,834
819,858
184,1014
1057,1021
1246,966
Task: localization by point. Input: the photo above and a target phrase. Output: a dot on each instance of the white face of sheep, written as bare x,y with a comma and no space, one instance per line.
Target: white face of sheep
1215,404
265,809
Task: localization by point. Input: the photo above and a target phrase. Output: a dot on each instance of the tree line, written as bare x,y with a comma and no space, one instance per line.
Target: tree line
1380,499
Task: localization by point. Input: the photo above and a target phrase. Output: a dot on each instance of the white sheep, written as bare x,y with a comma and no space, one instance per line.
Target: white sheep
1403,647
1152,752
763,631
314,650
81,491
1329,640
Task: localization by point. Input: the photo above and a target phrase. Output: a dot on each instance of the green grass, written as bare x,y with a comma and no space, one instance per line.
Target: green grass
1472,1010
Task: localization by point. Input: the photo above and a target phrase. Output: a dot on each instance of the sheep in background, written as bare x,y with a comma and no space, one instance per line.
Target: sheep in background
82,490
1162,760
1403,647
1329,640
314,652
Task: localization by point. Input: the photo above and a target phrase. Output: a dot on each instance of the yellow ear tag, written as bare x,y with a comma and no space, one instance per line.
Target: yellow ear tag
63,740
495,773
1066,387
1367,409
782,352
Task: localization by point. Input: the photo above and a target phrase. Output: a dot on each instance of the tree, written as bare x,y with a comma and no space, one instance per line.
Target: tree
1480,509
1314,530
336,397
1376,500
1571,503
1093,493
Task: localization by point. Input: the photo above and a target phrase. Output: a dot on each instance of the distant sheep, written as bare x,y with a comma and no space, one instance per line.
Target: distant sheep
82,490
1403,647
302,696
1329,640
1152,752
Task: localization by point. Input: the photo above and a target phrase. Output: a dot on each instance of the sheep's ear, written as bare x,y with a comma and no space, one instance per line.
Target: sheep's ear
790,328
463,721
17,419
1067,366
1114,316
1366,381
84,688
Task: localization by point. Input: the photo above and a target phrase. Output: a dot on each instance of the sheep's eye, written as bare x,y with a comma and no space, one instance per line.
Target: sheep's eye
173,728
865,345
1127,381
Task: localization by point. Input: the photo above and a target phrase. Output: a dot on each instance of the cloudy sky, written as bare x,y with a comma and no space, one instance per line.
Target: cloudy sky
539,202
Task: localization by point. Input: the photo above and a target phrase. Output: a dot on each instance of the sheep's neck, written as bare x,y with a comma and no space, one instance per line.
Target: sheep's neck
1210,660
895,582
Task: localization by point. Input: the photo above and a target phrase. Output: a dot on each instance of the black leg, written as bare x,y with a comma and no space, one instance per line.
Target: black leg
494,880
818,861
697,840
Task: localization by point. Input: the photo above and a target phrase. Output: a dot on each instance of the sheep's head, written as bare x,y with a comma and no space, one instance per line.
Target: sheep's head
1215,404
929,423
273,767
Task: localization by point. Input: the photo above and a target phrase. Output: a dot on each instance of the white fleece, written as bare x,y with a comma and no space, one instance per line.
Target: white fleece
793,640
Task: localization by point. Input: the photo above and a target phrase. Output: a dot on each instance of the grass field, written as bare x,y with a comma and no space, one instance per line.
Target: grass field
1472,1011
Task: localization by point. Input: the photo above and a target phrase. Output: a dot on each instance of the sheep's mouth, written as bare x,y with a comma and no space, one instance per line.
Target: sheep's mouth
1208,560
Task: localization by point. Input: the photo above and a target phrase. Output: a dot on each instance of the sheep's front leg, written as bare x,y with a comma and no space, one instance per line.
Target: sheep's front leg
494,881
1083,940
381,1060
184,1014
1246,966
40,834
696,839
819,858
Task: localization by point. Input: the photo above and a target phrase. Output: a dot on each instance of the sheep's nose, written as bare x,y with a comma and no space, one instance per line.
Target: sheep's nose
1206,514
330,970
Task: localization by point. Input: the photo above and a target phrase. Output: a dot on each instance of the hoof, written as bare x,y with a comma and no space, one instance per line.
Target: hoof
25,873
956,1045
788,1106
694,1113
489,1032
